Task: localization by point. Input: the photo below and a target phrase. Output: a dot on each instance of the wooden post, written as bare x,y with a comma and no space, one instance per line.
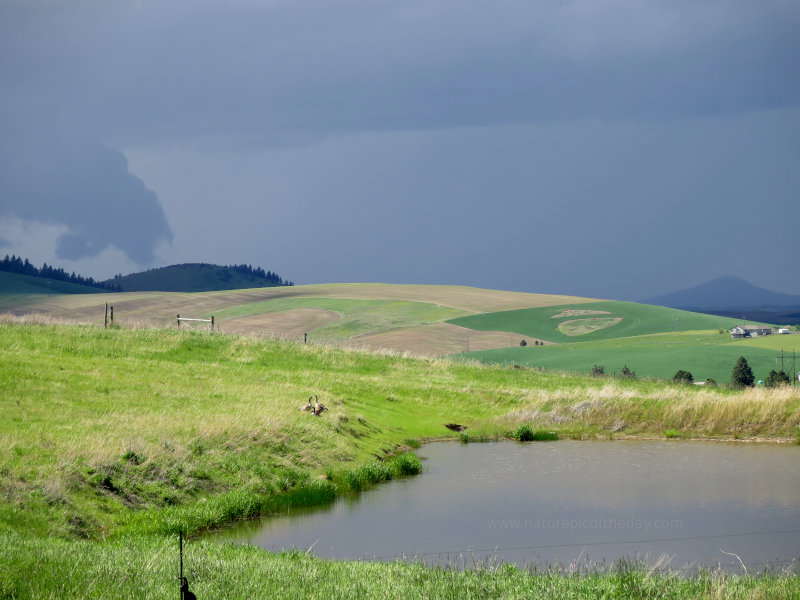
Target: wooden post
212,322
179,321
305,338
112,315
105,323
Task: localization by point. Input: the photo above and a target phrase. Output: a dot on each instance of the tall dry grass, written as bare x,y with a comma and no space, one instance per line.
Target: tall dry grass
766,413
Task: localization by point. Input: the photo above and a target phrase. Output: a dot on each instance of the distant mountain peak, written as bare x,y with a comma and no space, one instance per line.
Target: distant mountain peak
727,292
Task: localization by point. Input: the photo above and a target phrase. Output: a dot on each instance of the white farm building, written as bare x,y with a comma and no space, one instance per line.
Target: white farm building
745,331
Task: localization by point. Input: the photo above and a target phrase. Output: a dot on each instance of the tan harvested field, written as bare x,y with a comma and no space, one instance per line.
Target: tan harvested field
583,326
579,313
147,309
438,339
286,324
159,308
464,298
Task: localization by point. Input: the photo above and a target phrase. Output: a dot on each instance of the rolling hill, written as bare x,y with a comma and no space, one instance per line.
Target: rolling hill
651,340
592,321
485,325
197,277
382,316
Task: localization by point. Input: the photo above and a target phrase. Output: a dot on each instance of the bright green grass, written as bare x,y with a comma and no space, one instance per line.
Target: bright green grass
204,414
124,435
775,342
148,567
705,354
100,422
357,316
637,319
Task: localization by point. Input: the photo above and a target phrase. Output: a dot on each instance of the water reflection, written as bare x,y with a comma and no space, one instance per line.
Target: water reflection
562,501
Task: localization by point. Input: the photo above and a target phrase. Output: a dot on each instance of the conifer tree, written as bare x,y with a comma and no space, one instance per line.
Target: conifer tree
742,375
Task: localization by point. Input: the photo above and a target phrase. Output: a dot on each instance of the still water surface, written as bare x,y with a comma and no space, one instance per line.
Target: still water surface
562,502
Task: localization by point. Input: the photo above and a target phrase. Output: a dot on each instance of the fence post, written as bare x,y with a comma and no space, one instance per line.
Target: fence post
112,315
179,321
105,322
212,322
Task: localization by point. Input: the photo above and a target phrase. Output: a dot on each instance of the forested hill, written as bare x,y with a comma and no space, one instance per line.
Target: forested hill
197,277
20,266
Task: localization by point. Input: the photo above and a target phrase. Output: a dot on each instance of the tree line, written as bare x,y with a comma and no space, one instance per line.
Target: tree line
246,270
15,264
260,273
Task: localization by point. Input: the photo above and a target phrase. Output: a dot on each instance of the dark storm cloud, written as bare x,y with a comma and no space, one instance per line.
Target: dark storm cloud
356,66
57,177
168,70
446,141
55,168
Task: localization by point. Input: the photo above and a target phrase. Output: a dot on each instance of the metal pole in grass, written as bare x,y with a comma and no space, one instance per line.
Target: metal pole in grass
185,593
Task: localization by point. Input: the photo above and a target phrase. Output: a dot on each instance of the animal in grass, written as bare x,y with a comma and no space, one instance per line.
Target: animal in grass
308,407
318,407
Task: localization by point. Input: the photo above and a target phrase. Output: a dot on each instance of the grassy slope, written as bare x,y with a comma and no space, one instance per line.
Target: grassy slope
637,319
204,411
706,354
776,343
110,431
644,341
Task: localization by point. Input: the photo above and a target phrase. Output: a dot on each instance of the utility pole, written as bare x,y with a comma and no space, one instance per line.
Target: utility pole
776,361
794,365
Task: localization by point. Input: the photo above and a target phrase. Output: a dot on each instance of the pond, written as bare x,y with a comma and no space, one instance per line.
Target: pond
676,504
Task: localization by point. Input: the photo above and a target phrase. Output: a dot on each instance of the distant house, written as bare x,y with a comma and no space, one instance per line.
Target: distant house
746,331
784,330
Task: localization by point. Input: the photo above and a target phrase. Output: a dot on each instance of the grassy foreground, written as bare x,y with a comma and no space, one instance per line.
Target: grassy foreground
112,440
147,567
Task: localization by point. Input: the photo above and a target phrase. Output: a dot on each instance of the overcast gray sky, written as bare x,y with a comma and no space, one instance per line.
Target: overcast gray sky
604,148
